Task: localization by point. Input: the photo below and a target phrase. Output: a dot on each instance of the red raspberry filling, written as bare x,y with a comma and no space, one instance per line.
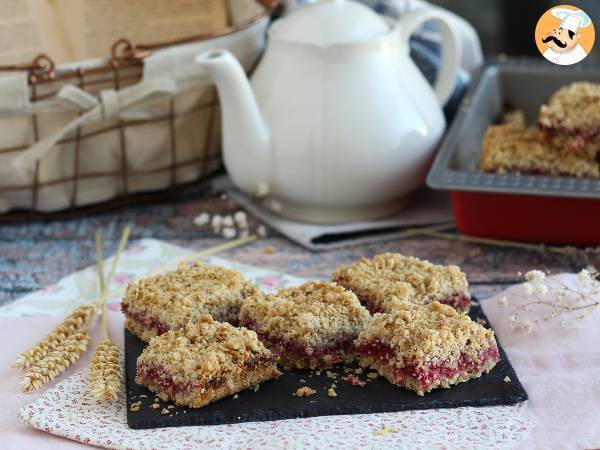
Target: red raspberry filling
579,138
146,320
334,354
460,301
428,374
160,376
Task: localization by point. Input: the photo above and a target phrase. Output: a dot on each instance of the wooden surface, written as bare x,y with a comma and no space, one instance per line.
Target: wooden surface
33,255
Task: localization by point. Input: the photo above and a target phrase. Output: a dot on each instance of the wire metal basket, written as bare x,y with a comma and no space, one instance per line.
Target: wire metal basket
190,139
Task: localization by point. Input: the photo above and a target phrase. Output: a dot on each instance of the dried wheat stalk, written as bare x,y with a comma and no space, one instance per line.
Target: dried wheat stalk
67,342
55,363
71,325
106,371
106,367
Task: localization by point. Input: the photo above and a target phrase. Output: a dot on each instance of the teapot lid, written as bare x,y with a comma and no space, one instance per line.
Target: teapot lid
330,22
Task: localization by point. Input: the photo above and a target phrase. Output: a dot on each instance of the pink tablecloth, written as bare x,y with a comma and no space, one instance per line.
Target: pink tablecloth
17,334
559,368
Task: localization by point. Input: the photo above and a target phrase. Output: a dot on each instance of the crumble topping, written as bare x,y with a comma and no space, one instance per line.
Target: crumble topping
392,277
315,314
433,333
509,149
204,350
515,118
574,107
305,391
177,297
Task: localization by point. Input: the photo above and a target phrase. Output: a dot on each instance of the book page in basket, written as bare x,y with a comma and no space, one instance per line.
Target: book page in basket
28,28
73,30
92,26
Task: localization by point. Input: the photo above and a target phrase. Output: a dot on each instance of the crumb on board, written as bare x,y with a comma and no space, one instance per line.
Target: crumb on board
386,430
354,381
506,379
481,321
372,375
333,385
318,372
135,407
165,411
305,391
155,405
474,303
268,250
302,380
171,406
331,393
235,397
256,388
332,375
143,396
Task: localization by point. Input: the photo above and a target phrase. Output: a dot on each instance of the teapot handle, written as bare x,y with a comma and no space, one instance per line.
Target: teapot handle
450,47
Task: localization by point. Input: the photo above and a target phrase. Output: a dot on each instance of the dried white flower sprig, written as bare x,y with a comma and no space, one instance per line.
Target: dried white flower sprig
553,300
106,369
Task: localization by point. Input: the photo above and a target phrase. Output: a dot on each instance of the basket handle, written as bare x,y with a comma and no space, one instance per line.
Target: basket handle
108,105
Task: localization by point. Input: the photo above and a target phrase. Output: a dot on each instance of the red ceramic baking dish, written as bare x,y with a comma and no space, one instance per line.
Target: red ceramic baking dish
533,208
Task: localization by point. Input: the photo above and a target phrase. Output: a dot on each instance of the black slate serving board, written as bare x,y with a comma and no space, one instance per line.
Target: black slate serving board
274,399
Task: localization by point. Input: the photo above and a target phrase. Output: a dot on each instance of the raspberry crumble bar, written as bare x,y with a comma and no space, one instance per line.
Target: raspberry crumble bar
391,277
573,113
510,149
313,325
204,362
156,304
426,347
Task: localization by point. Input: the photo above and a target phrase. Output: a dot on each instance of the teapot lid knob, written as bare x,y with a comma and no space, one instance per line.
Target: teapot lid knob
330,22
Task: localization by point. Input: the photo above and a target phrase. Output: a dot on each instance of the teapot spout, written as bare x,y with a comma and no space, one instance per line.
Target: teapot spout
246,135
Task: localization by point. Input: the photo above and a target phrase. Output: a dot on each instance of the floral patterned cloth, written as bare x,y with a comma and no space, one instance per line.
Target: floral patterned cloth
68,409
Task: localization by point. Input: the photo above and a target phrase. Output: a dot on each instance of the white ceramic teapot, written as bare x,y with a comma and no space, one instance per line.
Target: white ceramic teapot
338,121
